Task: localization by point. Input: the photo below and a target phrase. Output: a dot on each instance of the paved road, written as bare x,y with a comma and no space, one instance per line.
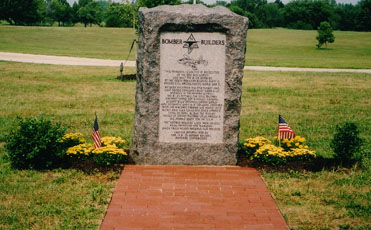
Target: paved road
60,60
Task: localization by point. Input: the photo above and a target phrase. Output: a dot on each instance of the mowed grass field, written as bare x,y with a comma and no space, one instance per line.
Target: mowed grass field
296,48
312,103
265,47
91,42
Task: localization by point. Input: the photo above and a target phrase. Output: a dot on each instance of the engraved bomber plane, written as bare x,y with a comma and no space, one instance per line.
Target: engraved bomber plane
187,61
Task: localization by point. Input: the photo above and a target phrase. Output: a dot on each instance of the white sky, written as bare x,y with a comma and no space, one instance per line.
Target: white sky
213,1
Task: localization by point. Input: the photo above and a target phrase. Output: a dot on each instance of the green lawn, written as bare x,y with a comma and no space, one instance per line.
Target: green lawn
323,200
93,42
57,199
312,103
296,48
265,47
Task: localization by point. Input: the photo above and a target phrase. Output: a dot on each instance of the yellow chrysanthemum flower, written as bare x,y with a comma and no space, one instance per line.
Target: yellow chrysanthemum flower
73,136
110,149
84,149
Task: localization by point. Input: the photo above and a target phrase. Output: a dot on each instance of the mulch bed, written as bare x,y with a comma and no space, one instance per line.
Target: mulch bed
318,164
89,167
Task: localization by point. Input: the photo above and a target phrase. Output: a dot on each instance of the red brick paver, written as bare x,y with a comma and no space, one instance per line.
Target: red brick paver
191,197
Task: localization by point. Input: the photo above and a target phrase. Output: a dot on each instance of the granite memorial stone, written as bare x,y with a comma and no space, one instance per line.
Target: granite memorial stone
188,95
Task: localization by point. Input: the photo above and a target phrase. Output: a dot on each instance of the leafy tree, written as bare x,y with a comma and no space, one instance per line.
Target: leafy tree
249,5
236,9
90,13
82,3
279,3
61,11
74,13
250,9
254,21
320,11
41,11
197,2
154,3
104,5
270,15
119,15
365,15
22,12
49,17
348,16
221,3
325,34
306,14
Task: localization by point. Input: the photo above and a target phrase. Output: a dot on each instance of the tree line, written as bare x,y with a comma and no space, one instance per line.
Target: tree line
304,14
297,14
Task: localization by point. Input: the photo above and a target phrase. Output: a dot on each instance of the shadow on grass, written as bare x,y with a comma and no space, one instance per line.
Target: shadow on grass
127,77
324,49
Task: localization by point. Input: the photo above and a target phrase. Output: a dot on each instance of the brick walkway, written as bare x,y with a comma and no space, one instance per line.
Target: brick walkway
191,197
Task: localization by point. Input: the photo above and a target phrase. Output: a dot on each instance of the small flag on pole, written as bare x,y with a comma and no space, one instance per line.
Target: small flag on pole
284,130
95,134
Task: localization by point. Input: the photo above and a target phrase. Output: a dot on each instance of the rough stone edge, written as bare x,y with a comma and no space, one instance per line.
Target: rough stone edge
146,142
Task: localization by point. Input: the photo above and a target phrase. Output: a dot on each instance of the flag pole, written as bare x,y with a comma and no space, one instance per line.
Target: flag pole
278,132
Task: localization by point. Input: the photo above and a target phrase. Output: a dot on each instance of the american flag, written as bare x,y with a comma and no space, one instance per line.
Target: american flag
95,134
284,130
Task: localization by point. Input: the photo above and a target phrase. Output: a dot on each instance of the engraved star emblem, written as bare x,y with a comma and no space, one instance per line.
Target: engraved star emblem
190,44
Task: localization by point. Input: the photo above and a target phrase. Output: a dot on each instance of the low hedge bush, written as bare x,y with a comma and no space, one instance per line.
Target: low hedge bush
35,144
347,145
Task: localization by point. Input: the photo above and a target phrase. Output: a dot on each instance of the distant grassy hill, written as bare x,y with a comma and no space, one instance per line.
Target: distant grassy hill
296,48
94,42
265,47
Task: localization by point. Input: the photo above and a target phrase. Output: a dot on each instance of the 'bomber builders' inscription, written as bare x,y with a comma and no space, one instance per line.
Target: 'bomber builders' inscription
192,76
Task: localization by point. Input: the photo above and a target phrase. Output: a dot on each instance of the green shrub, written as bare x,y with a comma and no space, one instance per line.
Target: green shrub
35,144
347,144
